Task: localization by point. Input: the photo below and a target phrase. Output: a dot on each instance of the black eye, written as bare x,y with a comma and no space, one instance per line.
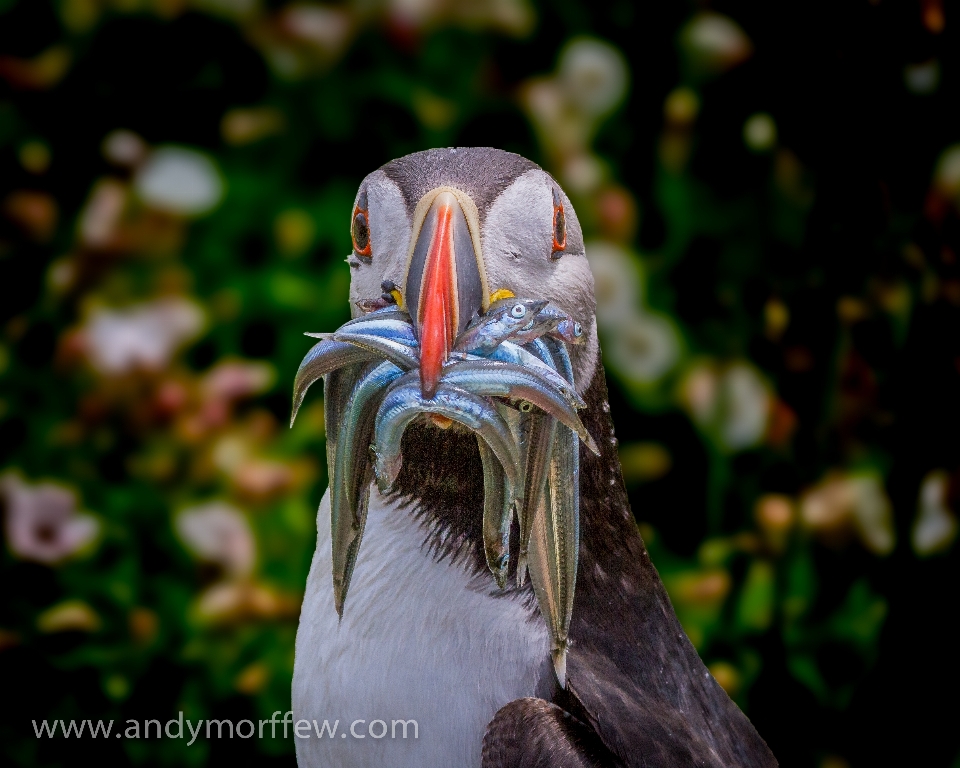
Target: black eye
360,231
559,227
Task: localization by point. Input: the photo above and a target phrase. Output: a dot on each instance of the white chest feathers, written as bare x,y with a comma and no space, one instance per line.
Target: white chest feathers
420,640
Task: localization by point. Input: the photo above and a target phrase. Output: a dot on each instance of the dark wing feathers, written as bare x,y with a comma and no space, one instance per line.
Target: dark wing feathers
637,690
533,733
637,677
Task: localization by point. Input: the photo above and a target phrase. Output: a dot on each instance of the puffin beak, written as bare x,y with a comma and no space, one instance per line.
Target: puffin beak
445,281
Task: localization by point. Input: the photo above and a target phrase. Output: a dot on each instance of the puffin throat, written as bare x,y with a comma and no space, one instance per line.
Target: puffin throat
442,481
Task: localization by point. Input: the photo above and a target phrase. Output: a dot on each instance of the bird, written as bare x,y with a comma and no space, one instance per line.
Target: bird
428,660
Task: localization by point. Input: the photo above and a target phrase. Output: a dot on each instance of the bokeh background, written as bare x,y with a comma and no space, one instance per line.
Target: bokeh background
771,195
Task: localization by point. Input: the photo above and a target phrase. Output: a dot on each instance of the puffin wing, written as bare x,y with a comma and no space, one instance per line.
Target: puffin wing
633,675
533,733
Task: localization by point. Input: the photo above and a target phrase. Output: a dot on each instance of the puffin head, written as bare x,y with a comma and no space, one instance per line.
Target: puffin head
445,232
472,246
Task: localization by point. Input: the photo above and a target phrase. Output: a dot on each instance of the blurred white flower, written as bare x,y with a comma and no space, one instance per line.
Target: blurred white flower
745,407
593,75
760,132
142,336
180,181
42,522
935,527
218,533
124,148
644,348
947,174
698,392
732,403
617,283
326,28
873,514
851,501
582,172
101,216
235,379
715,42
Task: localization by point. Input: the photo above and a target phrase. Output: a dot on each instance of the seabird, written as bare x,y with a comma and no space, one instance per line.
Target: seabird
408,645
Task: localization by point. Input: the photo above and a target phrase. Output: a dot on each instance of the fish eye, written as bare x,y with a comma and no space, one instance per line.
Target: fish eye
518,311
525,407
577,329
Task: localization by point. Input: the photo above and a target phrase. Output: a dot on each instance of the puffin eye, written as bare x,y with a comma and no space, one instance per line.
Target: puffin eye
360,229
577,330
559,227
518,311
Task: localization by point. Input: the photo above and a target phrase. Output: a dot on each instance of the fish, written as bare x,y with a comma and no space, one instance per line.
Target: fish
383,314
404,402
337,386
547,320
353,474
503,318
390,325
508,352
497,514
392,330
537,431
568,330
554,548
497,379
390,312
321,359
560,357
398,353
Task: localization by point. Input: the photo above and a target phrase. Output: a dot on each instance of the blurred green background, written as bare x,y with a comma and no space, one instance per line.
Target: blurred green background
771,196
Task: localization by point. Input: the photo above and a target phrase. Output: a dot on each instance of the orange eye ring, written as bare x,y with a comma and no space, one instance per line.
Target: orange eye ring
559,229
360,227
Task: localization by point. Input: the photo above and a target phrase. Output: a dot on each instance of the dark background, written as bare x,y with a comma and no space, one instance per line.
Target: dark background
771,196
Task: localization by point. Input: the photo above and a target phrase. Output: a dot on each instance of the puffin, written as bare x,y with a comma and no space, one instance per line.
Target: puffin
430,662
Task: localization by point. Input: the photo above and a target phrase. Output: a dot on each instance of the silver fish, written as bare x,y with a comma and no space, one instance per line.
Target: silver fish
383,315
385,327
547,320
353,474
502,319
568,330
560,357
555,545
497,379
401,355
390,329
323,358
390,312
337,386
404,402
497,514
538,329
537,431
508,352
